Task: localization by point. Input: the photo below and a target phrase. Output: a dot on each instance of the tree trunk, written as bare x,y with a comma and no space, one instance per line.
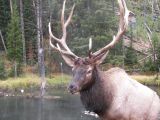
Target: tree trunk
41,24
41,63
38,29
113,5
15,69
23,34
49,49
11,7
3,42
42,72
88,4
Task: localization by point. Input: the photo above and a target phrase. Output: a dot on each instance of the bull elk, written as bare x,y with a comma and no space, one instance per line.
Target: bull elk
112,94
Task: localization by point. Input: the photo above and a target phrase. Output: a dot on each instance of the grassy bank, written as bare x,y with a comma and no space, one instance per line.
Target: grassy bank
33,81
149,80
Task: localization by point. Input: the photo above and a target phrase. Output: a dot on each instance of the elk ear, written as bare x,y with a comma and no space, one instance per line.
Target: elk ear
100,58
69,60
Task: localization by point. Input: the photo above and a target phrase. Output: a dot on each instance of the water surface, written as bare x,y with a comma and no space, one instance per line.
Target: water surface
64,107
67,107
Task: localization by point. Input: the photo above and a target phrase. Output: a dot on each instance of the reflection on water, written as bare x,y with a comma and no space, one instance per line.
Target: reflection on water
68,107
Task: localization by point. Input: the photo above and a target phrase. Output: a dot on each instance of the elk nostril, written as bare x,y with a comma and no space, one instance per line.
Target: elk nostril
71,86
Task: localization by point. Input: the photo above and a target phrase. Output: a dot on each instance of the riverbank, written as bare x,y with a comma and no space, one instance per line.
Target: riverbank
32,82
149,80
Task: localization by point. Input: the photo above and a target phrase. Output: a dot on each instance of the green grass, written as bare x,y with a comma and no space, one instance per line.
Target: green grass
58,80
20,82
31,80
147,79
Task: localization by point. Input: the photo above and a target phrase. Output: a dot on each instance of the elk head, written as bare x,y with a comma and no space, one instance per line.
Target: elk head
83,67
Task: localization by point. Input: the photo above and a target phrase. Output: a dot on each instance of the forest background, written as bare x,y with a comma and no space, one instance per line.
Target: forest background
24,32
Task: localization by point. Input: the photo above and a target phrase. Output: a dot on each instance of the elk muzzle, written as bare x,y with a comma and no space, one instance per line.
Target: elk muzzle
73,88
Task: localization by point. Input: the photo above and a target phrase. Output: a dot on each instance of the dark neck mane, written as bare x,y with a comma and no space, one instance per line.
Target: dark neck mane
96,98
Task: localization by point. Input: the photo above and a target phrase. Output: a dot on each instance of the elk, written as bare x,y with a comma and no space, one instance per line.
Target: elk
112,94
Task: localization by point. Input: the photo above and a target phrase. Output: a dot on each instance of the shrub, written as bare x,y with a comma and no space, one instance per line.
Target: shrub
3,74
13,72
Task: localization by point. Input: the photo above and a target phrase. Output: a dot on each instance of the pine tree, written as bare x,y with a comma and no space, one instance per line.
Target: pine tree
14,42
130,57
4,18
30,31
2,70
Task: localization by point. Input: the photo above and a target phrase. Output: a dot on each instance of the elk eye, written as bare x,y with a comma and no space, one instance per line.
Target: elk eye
89,71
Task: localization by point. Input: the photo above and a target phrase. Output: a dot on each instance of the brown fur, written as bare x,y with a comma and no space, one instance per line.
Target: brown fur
95,98
113,95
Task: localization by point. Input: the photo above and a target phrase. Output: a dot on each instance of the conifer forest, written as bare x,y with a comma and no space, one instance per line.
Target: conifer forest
24,33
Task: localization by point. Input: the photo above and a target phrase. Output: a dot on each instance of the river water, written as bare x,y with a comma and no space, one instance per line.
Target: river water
63,107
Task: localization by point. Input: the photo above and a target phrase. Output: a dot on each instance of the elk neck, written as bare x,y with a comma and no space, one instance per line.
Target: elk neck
98,96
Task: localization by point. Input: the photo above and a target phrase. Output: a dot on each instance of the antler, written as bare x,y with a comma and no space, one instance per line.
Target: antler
61,45
98,56
123,23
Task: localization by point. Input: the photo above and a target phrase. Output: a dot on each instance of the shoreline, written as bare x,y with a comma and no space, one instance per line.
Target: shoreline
31,83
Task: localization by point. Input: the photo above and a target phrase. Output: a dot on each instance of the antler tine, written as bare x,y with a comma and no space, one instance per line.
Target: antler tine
61,43
122,10
123,23
70,16
51,34
65,24
55,38
62,17
58,49
90,44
